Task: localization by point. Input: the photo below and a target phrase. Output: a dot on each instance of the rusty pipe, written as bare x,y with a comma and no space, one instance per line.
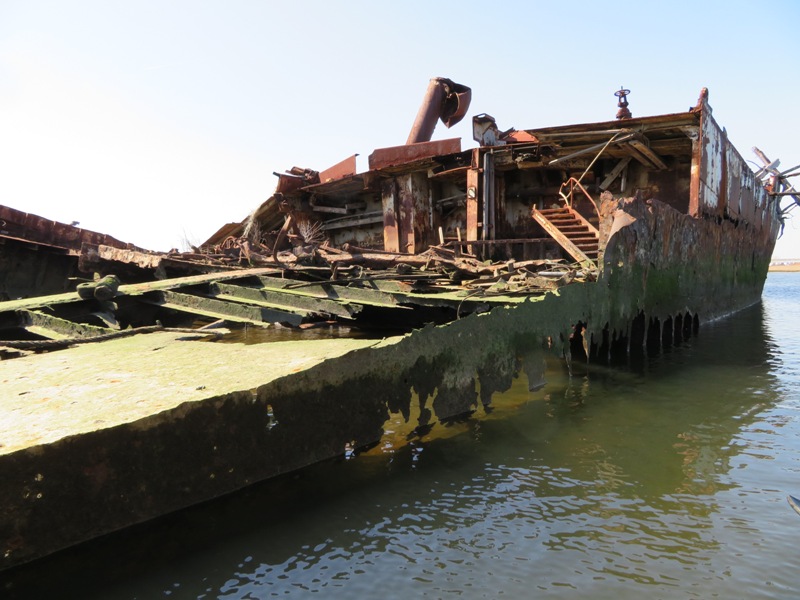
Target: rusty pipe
445,100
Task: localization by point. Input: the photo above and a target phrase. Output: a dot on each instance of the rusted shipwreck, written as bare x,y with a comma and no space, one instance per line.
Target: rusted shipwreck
584,242
662,210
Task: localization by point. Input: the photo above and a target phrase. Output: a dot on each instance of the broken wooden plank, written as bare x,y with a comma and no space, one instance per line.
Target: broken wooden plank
55,328
220,309
650,157
615,173
333,290
281,300
137,289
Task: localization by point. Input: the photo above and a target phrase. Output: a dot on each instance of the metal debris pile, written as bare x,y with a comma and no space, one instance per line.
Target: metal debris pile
443,267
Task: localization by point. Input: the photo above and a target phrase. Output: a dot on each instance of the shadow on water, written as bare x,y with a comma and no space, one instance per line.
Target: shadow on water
612,471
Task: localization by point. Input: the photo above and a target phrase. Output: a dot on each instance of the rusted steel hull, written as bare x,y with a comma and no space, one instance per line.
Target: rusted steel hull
33,229
38,255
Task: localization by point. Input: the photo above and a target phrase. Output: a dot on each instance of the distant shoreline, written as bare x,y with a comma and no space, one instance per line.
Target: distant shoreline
788,267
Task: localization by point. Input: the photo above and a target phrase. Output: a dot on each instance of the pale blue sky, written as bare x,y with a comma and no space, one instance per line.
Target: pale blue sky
158,122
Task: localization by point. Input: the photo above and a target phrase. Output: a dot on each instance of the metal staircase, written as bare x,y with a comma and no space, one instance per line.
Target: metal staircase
573,233
569,228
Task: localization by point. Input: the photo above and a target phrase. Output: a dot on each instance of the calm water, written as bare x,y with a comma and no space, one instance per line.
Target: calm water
666,479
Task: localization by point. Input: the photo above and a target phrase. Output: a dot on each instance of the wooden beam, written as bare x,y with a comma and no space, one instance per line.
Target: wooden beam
650,156
303,305
220,309
329,289
615,173
54,328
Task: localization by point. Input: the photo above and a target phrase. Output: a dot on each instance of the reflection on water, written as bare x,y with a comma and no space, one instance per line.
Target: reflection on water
252,334
665,478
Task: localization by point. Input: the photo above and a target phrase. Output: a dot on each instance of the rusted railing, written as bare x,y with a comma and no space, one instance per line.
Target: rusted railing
573,184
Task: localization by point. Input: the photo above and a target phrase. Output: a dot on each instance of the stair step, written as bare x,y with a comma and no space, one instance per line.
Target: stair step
573,229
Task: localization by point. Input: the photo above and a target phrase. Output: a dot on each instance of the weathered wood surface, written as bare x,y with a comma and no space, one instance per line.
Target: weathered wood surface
140,288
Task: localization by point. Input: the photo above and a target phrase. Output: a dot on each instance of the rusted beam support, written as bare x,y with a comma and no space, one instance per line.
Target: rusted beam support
414,227
487,231
473,185
391,239
696,134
